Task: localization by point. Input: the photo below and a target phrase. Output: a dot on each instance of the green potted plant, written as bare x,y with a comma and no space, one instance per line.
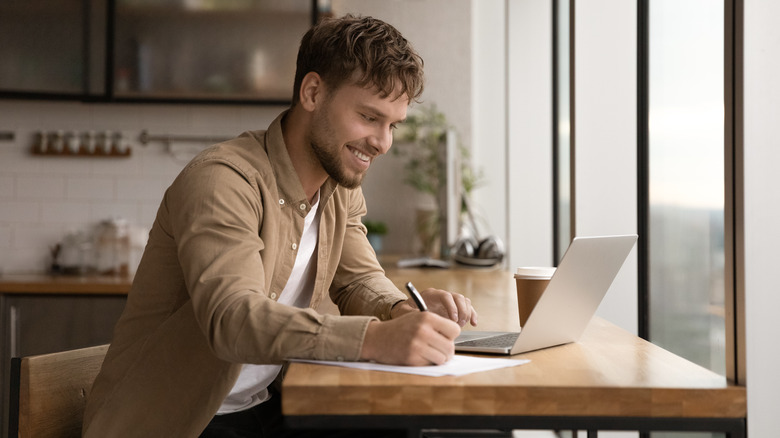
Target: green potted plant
422,138
375,231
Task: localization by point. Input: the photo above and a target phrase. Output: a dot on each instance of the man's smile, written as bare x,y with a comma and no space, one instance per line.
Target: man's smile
360,155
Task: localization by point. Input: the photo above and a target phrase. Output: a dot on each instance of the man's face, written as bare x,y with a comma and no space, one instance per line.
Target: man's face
353,126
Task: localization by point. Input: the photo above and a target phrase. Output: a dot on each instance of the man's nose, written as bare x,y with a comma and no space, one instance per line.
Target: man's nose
382,140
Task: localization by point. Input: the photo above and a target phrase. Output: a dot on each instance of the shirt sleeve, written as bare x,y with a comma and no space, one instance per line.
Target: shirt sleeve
215,215
360,286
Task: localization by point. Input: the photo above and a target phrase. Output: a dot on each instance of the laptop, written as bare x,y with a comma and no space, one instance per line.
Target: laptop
567,305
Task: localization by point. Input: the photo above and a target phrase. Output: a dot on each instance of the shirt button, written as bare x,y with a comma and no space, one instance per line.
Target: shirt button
273,295
294,245
281,202
302,206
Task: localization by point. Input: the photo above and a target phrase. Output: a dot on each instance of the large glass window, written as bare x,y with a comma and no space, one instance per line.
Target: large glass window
562,127
686,179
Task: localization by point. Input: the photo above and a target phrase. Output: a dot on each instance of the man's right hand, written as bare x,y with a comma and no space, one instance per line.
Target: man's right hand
415,338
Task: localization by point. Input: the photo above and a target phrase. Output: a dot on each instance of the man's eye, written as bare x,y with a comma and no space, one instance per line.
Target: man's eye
368,118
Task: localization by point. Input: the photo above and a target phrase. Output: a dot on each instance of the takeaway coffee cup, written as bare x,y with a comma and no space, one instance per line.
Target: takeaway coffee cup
531,283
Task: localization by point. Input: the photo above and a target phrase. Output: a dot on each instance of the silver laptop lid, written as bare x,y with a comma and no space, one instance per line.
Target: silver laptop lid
583,277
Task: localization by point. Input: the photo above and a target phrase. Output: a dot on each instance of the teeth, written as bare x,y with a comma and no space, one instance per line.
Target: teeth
360,155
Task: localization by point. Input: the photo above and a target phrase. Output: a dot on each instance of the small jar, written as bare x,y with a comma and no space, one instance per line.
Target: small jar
118,146
58,141
105,142
42,145
88,142
72,140
113,248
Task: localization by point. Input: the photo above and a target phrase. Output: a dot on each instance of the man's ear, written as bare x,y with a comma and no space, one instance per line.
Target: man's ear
312,91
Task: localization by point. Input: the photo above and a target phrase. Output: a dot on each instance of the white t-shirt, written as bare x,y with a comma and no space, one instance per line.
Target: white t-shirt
251,388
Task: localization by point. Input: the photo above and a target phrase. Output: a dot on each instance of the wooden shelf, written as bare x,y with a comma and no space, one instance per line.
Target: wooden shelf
83,152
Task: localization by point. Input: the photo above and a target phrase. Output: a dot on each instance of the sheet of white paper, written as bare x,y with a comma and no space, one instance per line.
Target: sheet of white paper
457,366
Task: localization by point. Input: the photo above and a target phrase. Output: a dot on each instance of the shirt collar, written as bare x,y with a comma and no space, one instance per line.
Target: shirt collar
289,186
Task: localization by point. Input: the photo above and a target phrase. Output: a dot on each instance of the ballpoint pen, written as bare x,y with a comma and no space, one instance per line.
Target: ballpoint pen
418,299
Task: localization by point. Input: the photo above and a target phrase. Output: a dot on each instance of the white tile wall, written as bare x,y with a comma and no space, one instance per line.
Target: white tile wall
90,188
43,198
5,237
40,187
19,212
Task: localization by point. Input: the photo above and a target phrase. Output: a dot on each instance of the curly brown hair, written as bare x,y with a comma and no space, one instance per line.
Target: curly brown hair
361,50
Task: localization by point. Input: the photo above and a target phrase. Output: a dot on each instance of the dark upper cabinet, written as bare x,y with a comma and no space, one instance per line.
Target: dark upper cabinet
207,49
46,45
152,50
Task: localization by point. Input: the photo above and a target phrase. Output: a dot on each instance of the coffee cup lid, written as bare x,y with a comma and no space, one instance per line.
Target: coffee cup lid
535,273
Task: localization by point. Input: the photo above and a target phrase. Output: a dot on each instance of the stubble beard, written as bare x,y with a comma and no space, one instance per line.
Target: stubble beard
328,153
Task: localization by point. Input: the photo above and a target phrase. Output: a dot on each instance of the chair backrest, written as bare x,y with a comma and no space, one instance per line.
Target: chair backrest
49,392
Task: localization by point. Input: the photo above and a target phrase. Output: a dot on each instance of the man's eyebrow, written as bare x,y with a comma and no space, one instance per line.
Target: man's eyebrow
373,110
379,114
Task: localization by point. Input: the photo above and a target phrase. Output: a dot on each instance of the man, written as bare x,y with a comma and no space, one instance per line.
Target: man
248,240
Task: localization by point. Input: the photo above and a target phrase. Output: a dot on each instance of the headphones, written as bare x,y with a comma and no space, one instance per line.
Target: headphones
469,250
487,252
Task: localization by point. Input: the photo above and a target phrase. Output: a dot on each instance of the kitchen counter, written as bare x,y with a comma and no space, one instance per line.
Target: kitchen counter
64,284
41,313
114,285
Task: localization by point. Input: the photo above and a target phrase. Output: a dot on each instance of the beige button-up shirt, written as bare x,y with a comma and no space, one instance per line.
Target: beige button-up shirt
203,301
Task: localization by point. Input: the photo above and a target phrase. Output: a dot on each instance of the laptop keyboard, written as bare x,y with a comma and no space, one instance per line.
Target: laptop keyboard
503,340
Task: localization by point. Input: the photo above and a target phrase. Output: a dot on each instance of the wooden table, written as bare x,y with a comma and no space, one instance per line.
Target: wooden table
609,380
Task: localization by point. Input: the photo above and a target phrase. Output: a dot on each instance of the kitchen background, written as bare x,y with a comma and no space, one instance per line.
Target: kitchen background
43,198
455,52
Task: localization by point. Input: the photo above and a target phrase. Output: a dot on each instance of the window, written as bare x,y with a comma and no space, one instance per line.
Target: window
686,194
562,124
688,76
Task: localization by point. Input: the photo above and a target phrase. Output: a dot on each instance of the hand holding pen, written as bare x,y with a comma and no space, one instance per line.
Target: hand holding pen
449,305
414,335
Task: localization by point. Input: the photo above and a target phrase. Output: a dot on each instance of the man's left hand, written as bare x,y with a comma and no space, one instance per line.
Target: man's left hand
451,305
